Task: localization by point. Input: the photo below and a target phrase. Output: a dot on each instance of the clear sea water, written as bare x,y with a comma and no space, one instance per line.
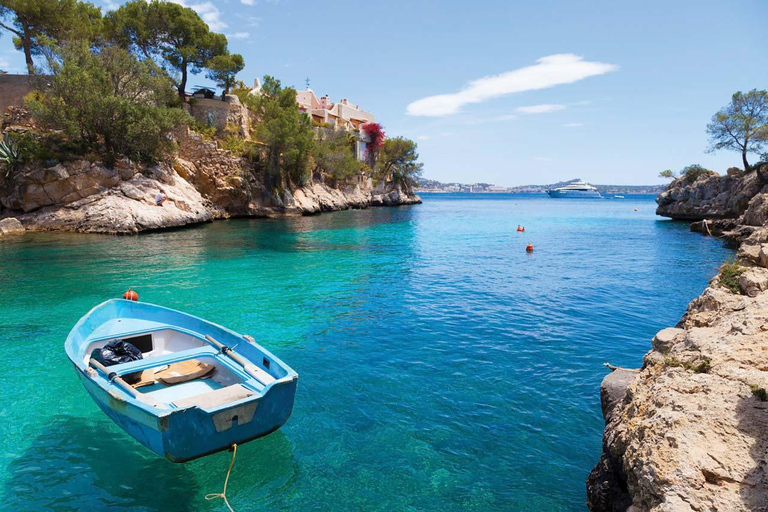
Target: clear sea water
441,367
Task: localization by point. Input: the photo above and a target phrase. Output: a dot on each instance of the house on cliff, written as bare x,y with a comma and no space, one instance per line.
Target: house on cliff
342,115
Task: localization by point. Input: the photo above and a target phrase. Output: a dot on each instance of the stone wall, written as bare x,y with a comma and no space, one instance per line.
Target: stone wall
220,113
13,88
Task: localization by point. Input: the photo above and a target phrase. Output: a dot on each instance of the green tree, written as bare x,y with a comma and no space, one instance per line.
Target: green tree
399,161
36,24
286,133
691,173
223,69
742,125
170,33
667,174
110,103
334,154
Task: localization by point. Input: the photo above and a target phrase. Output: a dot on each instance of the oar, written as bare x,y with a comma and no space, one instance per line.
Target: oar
250,368
113,377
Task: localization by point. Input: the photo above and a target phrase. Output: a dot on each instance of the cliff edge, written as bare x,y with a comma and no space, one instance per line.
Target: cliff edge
689,430
202,183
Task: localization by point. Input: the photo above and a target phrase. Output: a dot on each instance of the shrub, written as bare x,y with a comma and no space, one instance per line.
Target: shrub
10,155
334,154
207,131
110,103
692,172
234,144
729,276
759,392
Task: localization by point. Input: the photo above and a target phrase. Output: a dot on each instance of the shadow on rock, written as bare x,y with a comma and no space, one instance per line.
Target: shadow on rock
753,421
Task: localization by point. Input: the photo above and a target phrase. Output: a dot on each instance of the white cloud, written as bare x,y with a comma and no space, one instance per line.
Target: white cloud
209,12
239,35
248,2
423,137
547,72
573,125
541,109
4,64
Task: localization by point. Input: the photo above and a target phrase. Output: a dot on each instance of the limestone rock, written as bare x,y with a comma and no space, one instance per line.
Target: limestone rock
754,279
709,197
665,338
10,226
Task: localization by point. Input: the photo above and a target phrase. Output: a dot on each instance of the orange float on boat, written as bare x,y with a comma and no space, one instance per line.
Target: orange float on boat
529,248
131,295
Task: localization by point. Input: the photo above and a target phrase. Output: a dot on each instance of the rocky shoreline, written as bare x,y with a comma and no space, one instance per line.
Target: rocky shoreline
202,183
689,430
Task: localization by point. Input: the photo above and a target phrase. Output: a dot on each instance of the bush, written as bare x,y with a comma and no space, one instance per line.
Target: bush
729,276
334,154
110,103
692,172
234,144
207,131
10,155
759,392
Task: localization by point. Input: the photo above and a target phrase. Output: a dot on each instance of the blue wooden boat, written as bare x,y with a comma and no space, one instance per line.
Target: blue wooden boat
246,392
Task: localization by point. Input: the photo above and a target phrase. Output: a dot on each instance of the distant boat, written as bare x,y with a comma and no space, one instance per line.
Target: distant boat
619,197
198,388
577,189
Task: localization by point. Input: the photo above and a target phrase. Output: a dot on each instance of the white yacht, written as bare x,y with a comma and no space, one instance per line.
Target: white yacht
578,189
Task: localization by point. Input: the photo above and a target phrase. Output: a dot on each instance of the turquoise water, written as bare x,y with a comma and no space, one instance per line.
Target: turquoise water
441,367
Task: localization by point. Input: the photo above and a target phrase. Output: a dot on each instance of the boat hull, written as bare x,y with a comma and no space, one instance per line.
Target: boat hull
575,194
188,434
183,423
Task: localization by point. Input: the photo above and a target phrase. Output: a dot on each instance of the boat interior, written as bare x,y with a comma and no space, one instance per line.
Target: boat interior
178,369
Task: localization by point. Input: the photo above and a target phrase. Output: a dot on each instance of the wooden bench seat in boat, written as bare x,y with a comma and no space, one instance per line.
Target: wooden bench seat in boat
215,398
175,373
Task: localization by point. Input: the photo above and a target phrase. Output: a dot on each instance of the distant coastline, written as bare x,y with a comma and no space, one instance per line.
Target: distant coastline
433,186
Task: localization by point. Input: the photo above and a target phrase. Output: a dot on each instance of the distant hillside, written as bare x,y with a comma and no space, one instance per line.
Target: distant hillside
425,185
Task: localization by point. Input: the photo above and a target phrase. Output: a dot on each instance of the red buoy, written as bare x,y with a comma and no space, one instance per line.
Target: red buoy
529,248
519,228
131,295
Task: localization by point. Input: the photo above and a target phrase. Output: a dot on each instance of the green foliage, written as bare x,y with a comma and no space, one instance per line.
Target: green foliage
234,143
40,24
729,276
334,154
174,34
398,161
111,104
692,172
697,365
742,125
10,155
667,174
206,130
223,69
759,392
285,132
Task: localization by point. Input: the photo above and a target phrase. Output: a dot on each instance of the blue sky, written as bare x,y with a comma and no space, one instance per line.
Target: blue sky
609,91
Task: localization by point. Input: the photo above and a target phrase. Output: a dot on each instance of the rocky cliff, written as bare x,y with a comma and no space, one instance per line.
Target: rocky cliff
689,430
202,183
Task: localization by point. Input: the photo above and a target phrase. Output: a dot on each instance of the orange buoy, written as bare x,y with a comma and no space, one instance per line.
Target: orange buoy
529,248
131,295
523,230
519,228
